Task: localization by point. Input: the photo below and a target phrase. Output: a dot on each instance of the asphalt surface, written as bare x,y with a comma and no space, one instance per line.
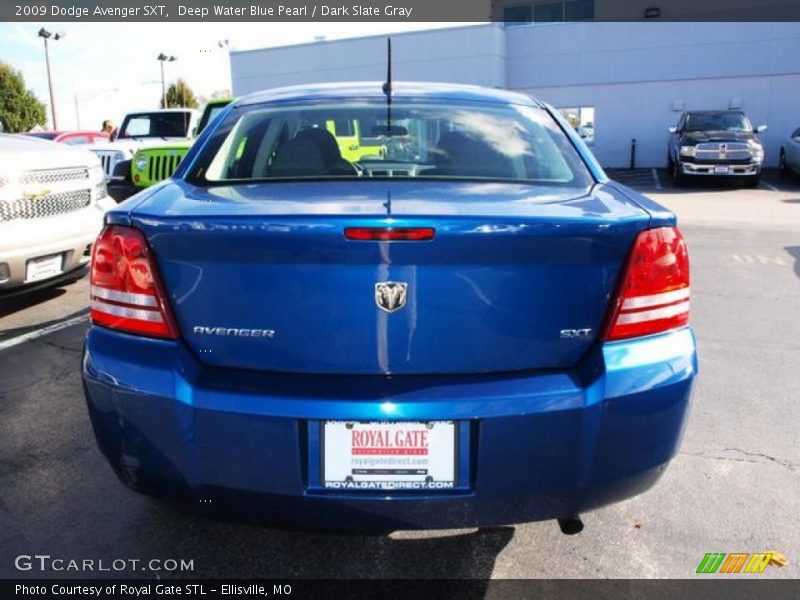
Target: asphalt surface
734,486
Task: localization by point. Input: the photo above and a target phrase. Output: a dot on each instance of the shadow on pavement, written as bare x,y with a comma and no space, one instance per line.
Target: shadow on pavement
9,306
10,333
217,548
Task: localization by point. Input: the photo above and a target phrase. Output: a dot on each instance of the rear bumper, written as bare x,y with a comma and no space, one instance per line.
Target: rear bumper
534,446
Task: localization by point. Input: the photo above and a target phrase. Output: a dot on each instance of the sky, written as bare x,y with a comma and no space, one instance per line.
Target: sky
103,70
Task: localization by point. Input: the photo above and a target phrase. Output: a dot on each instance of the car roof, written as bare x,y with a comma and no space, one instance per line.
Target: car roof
145,111
714,112
400,89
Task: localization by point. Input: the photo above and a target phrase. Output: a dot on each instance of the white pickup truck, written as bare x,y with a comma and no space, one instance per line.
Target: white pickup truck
142,128
52,201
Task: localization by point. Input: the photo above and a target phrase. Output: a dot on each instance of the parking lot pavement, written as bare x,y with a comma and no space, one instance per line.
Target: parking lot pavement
734,486
30,313
773,205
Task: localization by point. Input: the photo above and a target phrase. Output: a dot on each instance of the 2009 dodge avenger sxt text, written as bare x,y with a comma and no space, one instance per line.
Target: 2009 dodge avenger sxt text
470,325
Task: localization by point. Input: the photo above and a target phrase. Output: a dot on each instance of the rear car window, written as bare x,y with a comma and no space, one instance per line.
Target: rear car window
358,140
175,124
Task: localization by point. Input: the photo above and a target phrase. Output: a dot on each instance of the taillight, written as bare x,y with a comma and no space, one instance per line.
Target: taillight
654,295
390,234
125,290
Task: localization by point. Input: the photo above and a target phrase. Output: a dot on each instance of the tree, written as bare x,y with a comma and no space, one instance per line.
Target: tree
179,94
20,109
222,94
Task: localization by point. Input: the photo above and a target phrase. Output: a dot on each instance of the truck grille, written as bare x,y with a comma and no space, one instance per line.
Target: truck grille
109,159
36,208
54,175
723,151
161,166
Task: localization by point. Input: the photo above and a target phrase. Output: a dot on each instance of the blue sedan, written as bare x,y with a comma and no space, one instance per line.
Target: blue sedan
467,325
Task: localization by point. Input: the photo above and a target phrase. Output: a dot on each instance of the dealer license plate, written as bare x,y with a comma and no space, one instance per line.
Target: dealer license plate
721,170
381,455
43,267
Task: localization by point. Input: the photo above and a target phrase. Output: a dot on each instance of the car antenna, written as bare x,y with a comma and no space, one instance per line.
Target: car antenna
387,86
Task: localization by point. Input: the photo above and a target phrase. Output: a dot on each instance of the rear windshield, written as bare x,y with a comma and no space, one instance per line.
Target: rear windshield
360,140
717,122
173,124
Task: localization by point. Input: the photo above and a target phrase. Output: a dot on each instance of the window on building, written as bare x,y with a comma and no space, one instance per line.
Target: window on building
579,10
581,118
516,15
549,12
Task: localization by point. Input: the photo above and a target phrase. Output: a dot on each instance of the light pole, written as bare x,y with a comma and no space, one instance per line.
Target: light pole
88,97
162,58
45,35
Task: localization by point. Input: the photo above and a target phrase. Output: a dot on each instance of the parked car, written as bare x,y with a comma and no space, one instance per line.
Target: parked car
138,129
152,164
73,138
790,154
52,200
715,143
489,331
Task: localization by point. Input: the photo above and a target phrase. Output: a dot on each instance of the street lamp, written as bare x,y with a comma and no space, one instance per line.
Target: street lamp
45,35
162,58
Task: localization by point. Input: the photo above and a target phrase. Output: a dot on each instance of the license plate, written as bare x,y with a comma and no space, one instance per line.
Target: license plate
721,170
43,267
383,455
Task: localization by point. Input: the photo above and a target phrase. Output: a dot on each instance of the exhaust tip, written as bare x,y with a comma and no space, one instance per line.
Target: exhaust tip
570,525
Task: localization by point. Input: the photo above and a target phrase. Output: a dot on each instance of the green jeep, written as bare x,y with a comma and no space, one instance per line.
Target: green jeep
154,164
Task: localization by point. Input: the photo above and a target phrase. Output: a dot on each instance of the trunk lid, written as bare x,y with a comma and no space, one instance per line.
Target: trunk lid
517,277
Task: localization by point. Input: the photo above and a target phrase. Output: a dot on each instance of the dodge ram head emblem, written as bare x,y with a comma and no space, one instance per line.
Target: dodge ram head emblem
390,295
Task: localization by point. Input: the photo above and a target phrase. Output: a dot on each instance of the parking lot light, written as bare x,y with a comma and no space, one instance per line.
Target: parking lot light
162,58
46,35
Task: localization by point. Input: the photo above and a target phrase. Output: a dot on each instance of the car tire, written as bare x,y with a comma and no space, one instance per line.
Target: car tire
752,181
678,178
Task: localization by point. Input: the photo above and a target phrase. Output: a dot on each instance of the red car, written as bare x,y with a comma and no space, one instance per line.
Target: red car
72,138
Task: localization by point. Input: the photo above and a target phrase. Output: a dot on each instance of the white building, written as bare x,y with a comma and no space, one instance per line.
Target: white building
623,80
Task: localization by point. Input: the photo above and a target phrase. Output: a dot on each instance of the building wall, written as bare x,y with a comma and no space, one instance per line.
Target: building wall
637,76
640,76
461,55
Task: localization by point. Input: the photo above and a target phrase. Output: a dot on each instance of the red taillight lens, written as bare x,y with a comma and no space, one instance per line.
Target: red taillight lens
654,295
390,234
125,290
